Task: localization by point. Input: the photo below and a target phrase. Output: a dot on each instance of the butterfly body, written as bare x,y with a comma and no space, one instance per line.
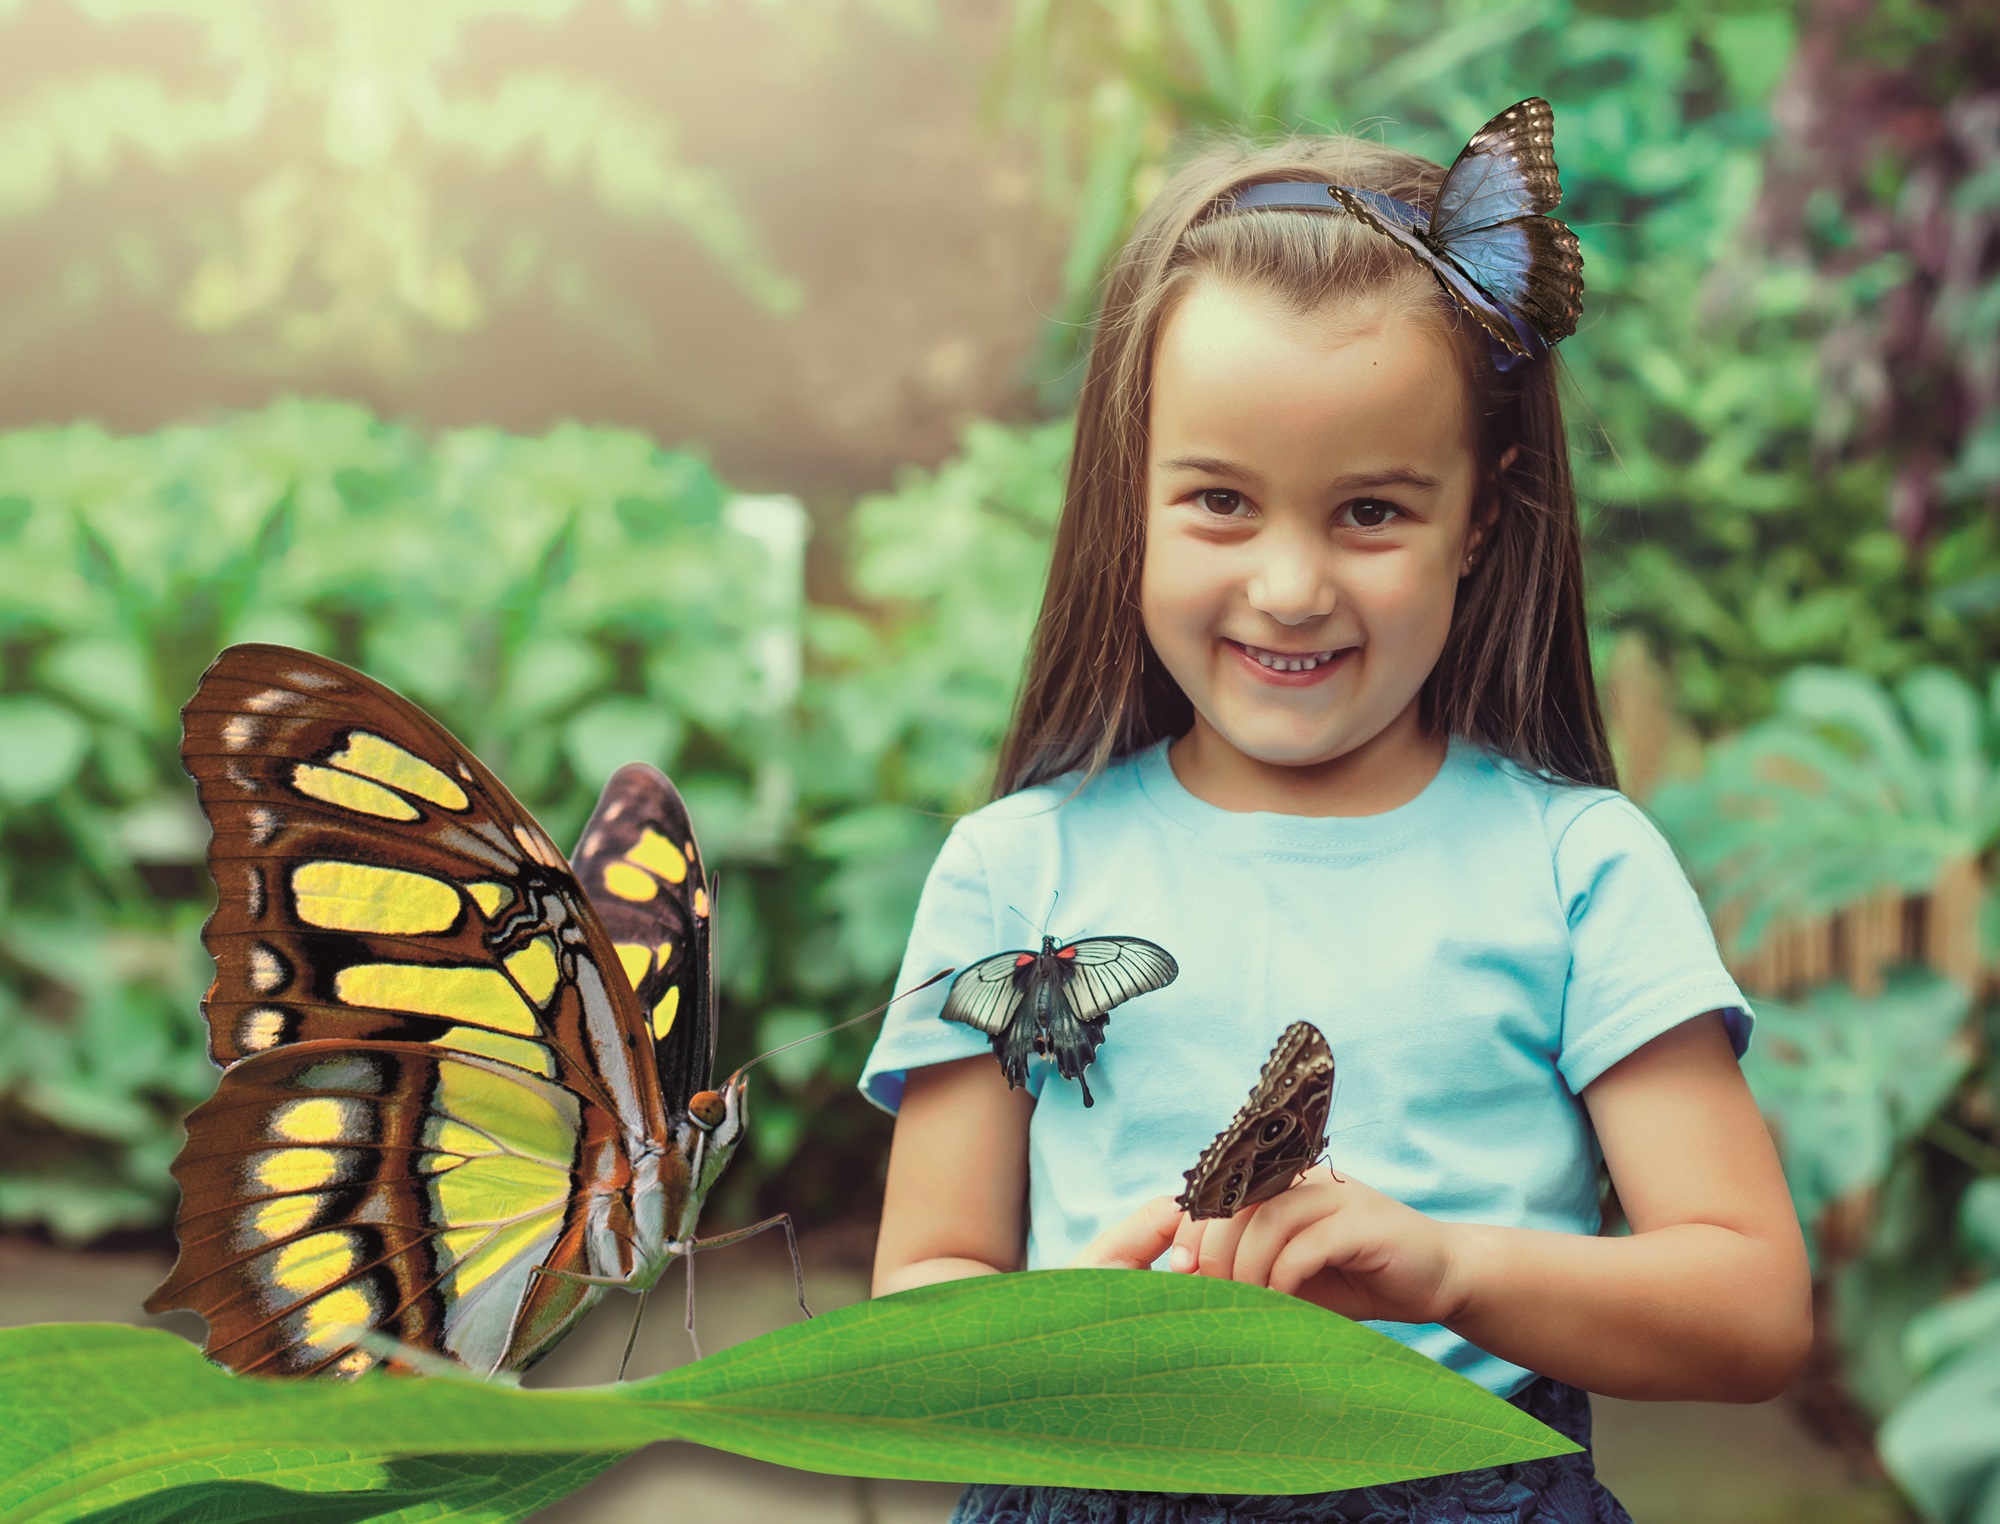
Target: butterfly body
1055,1001
1278,1134
458,1102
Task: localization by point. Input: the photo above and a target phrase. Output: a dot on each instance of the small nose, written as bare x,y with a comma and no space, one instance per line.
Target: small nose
1289,583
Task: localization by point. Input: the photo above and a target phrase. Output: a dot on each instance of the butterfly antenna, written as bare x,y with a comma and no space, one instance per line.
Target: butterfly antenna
852,1021
1055,898
632,1338
1037,930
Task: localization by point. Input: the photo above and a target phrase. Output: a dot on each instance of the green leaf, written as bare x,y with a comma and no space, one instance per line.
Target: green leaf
41,746
609,734
1079,1377
1942,1442
1848,1080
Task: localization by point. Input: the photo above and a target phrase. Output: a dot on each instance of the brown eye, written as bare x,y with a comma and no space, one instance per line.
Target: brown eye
1371,513
706,1110
1220,502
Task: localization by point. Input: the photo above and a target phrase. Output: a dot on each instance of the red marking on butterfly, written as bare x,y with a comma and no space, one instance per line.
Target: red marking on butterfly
1024,960
1066,952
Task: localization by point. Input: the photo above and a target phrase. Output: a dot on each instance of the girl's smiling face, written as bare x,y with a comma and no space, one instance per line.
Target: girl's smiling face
1310,493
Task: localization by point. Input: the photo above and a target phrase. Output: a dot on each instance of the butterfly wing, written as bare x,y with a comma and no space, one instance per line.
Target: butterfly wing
1507,170
638,861
1277,1135
382,897
1108,971
988,995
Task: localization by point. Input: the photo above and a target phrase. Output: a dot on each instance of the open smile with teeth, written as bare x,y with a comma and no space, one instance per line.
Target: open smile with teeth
1286,661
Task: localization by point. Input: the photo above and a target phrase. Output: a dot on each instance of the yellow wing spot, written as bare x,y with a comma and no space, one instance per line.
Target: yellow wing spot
357,897
456,1138
637,961
360,1362
260,1027
296,1169
319,1259
337,1317
517,1051
663,954
267,972
351,793
701,903
665,1012
480,997
282,1216
481,1253
520,1115
489,897
386,762
630,883
322,1119
655,852
534,969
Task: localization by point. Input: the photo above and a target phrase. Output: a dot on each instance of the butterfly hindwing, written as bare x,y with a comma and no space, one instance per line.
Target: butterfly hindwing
436,1077
638,861
1279,1133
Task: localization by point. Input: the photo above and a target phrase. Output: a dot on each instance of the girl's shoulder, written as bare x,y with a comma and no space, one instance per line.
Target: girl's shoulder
1062,802
1561,807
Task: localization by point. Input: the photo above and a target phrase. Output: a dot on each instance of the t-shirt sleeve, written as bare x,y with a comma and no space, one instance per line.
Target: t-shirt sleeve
956,925
1643,959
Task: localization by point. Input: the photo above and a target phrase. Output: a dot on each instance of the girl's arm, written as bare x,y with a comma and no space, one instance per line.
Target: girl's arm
958,1177
1708,1299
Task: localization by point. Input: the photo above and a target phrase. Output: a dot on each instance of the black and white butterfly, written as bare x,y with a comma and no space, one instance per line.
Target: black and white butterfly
1055,1001
1488,238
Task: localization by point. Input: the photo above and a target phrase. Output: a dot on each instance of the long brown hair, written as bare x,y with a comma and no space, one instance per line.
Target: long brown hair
1514,675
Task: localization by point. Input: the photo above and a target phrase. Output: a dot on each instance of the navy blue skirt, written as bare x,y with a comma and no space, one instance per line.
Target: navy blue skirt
1560,1490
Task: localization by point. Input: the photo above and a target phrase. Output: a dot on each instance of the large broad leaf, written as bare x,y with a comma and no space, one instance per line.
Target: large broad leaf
1849,1080
1942,1444
1080,1377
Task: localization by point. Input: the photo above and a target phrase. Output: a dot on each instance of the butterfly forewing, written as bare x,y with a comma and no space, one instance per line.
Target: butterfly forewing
383,901
1506,170
989,993
1107,971
638,861
1278,1134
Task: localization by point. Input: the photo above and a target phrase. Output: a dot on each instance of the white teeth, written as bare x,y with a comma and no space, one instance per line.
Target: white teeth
1279,663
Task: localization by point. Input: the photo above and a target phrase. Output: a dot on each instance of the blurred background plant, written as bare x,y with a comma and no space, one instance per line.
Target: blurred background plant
1785,402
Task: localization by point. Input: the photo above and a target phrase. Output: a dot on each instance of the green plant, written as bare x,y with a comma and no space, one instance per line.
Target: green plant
1081,1378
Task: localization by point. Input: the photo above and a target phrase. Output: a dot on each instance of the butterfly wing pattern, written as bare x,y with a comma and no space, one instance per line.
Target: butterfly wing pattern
438,1080
1279,1133
1056,1001
1490,242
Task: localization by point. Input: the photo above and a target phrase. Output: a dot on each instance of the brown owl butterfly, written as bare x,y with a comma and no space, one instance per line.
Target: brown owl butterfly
460,1094
1278,1135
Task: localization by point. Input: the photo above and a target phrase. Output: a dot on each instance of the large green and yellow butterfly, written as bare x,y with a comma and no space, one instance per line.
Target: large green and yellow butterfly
460,1095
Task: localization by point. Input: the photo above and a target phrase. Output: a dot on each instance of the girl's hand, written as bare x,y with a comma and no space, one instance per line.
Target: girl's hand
1333,1241
1136,1242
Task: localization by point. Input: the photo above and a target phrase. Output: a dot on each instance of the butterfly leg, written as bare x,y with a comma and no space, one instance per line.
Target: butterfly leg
632,1338
782,1220
687,1264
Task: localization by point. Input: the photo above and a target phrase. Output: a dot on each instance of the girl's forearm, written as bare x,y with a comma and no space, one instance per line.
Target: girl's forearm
1691,1312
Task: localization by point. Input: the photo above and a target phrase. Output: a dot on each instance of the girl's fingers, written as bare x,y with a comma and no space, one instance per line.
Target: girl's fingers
1186,1258
1219,1244
1136,1242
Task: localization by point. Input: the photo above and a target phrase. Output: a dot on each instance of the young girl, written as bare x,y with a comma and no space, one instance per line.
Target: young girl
1310,706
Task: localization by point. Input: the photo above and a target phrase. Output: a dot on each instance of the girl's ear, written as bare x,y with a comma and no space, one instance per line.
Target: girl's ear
1486,509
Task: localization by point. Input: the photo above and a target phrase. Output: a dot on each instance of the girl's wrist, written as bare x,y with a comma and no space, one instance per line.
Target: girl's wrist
1471,1256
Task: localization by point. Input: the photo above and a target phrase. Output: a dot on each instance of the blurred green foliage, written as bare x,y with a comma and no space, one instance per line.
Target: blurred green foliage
565,603
1721,526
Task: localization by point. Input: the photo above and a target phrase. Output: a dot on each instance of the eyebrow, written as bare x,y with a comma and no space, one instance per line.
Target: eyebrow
1394,476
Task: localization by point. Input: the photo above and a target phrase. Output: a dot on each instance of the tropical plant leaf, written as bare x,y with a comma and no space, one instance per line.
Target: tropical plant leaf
1942,1442
1081,1378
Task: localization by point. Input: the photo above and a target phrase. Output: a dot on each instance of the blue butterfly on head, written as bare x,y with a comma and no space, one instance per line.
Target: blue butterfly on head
1487,239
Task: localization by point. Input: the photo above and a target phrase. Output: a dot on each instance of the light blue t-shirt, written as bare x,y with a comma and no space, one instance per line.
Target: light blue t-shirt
1475,958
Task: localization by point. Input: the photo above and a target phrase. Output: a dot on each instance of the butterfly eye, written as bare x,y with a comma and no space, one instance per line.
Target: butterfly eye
706,1110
